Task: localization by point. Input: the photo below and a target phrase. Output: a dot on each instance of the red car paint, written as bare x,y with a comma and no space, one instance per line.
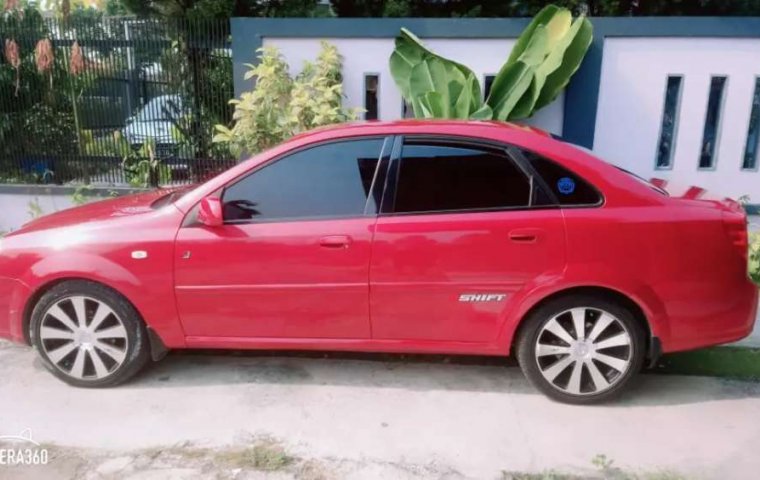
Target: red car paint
392,283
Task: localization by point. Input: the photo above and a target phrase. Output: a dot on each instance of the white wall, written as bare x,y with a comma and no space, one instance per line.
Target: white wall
634,73
16,207
369,55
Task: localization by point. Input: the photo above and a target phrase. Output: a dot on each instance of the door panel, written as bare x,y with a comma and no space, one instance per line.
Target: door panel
459,236
275,279
429,272
292,259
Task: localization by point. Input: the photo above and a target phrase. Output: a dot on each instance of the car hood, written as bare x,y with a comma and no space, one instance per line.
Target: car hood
97,211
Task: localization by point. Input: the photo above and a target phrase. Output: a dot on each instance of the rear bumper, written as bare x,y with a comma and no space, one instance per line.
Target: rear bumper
734,322
13,295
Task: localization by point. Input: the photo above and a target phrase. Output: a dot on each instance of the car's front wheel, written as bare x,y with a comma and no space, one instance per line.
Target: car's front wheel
581,349
88,335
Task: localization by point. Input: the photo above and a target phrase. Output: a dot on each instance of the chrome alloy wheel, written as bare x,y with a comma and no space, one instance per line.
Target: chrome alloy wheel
583,351
83,337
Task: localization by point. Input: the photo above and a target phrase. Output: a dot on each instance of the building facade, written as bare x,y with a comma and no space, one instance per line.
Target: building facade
674,98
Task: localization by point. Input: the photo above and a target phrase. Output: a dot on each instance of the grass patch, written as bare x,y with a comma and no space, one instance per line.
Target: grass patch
540,476
267,456
727,362
605,469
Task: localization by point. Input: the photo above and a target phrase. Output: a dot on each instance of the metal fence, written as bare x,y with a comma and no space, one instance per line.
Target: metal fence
113,101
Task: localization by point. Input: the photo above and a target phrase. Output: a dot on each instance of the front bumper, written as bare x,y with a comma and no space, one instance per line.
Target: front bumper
13,296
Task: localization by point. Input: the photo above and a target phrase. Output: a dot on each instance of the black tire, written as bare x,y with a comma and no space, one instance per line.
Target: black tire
533,326
137,348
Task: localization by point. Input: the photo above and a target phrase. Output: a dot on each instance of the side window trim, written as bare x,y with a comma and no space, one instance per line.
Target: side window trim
387,141
391,178
389,197
536,180
379,177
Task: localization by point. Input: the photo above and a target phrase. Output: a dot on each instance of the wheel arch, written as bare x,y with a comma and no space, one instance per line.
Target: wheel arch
603,292
158,349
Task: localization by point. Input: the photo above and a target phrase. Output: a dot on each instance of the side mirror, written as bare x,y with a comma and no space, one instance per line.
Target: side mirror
210,212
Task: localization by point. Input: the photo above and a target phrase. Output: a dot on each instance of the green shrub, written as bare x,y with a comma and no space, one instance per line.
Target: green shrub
754,257
281,106
142,169
49,130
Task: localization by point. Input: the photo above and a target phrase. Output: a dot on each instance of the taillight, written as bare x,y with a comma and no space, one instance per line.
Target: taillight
736,229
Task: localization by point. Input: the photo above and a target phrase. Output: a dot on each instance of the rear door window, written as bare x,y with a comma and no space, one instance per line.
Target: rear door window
444,176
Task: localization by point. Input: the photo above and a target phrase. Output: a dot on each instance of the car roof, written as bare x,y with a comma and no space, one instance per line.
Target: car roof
374,127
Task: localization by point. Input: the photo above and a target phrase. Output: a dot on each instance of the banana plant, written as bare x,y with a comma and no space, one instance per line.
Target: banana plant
434,86
544,58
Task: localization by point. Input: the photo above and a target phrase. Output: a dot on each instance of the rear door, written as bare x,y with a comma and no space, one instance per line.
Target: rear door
463,229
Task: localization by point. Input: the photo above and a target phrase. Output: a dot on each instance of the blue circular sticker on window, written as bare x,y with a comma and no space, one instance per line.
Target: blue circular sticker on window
566,185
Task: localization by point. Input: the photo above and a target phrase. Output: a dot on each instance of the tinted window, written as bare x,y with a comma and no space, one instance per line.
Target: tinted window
331,180
668,126
370,96
445,176
753,133
567,187
712,122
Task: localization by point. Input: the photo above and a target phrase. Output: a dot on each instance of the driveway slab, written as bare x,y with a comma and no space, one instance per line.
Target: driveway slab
471,418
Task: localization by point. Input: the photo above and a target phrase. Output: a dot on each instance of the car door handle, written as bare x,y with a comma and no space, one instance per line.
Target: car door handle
525,235
335,241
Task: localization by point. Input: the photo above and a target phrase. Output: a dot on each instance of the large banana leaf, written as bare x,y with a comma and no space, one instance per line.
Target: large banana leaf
514,79
436,75
418,71
403,59
542,18
545,56
553,60
513,82
558,79
432,105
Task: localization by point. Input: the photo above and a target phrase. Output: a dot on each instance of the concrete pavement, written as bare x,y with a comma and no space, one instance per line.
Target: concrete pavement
452,418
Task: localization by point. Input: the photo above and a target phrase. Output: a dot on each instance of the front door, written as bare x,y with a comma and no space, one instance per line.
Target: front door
461,236
292,259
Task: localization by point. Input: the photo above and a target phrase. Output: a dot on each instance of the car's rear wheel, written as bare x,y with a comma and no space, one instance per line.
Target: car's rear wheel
88,335
581,349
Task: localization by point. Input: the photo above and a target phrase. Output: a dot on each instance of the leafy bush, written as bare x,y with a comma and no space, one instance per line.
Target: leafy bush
143,169
115,145
754,257
49,129
281,106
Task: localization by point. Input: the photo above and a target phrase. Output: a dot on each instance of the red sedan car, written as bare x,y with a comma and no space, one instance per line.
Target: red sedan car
424,237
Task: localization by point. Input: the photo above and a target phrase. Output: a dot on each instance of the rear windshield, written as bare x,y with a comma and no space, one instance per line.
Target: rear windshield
645,182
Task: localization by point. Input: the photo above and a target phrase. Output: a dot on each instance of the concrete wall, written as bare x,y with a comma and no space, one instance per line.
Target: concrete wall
20,203
16,207
632,92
